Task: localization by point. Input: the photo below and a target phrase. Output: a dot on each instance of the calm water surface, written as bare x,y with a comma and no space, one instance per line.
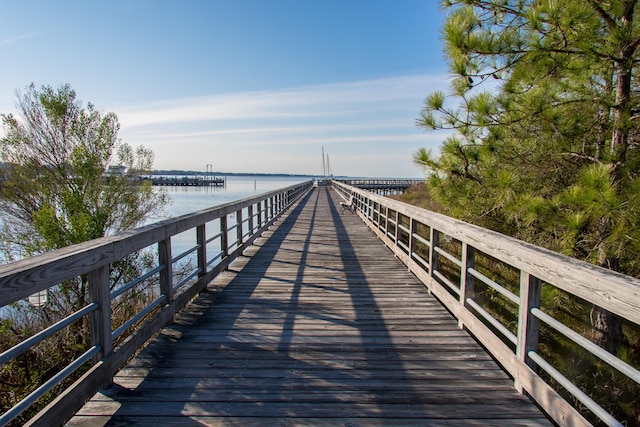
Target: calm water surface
186,200
190,199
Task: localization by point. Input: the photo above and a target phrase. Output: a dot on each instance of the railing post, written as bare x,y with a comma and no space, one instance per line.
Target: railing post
201,241
466,279
397,219
100,319
224,237
434,239
239,232
411,242
271,200
386,218
528,324
166,274
260,214
251,225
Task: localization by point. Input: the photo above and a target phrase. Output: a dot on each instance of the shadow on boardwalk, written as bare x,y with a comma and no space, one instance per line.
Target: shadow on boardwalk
318,325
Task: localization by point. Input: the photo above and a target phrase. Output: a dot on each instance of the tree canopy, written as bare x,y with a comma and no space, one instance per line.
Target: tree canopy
544,114
544,109
54,189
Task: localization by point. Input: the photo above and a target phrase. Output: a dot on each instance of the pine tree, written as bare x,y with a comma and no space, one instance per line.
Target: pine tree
544,109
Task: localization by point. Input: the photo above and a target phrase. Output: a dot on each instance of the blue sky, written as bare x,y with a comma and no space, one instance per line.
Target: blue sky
244,85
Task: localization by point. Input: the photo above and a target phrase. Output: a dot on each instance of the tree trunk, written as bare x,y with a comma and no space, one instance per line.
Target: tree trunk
607,328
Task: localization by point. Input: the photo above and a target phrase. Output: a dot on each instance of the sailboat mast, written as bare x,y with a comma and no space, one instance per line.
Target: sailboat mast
324,170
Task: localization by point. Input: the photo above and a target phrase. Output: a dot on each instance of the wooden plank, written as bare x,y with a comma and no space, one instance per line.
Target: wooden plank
317,325
616,292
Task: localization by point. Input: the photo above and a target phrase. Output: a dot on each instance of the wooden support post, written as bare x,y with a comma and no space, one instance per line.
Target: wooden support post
201,241
528,324
397,230
260,224
270,215
251,225
433,255
239,232
100,319
224,237
166,274
385,227
412,241
466,279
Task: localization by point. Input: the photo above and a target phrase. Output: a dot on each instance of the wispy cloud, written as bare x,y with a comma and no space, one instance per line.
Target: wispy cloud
283,130
309,101
15,39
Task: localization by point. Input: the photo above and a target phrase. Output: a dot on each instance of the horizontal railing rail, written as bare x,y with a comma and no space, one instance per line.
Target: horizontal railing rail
233,227
442,253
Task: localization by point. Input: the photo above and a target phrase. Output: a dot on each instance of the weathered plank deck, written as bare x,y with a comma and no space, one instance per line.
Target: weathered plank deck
318,325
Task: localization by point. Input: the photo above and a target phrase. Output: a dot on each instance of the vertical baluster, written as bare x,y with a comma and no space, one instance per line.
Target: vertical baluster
397,228
260,214
251,224
166,274
224,238
271,199
412,240
528,324
100,319
433,255
239,232
201,239
466,279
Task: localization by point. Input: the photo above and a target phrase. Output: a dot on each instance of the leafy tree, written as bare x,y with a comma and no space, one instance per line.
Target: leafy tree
545,142
55,191
54,188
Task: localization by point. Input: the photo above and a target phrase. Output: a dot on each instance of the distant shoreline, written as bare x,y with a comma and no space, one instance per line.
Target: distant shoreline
195,173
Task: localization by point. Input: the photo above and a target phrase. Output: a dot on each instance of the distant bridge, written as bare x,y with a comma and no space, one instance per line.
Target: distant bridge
382,186
302,316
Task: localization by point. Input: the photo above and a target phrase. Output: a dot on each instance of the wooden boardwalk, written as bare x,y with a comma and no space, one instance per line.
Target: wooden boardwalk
318,325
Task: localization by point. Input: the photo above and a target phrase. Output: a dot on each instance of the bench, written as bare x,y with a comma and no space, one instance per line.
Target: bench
348,205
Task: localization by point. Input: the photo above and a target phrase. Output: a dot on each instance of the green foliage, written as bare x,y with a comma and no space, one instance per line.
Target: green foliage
546,135
54,182
55,192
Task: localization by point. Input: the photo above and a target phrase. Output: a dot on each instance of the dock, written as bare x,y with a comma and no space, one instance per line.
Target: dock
296,312
184,180
317,324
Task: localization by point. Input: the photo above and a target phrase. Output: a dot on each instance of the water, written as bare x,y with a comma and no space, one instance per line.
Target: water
186,200
190,199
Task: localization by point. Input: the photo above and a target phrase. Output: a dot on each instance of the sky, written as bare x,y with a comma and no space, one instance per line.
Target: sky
254,86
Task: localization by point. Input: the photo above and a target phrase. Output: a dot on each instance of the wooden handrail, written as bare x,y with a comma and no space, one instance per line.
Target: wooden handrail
20,279
604,288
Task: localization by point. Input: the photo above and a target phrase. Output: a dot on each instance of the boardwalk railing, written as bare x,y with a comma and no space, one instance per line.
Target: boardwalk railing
382,186
443,252
221,234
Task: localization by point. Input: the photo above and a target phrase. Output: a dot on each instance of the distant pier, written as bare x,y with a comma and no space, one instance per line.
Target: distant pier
382,186
187,181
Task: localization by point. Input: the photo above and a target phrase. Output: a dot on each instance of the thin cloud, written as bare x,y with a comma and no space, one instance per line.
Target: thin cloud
284,130
19,38
309,101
